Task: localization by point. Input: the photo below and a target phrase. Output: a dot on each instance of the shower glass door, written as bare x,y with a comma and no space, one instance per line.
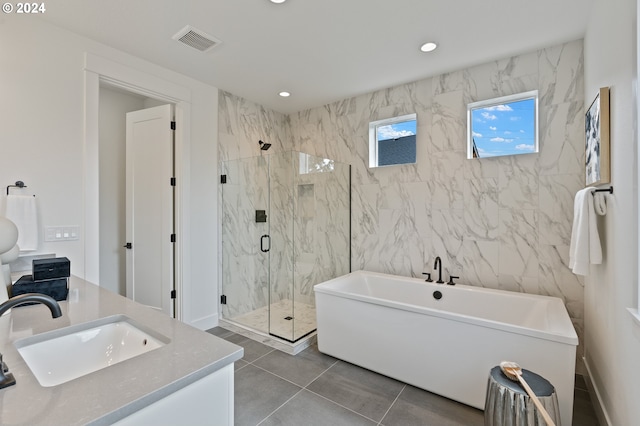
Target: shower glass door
285,227
245,254
281,315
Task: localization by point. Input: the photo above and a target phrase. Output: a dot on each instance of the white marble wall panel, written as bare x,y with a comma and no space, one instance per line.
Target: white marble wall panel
561,74
557,193
243,123
562,143
496,222
448,123
480,262
519,242
503,77
321,221
481,212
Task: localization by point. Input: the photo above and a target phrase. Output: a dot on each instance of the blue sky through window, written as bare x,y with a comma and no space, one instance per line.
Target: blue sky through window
397,130
505,129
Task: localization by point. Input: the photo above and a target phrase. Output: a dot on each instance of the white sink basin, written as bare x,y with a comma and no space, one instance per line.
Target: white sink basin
62,355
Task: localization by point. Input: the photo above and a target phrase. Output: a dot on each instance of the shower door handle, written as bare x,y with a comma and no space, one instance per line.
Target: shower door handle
262,239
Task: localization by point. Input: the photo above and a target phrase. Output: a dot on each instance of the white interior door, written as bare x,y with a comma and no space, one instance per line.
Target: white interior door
149,207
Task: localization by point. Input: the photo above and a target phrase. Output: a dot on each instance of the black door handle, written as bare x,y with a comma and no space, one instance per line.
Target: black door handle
128,246
262,249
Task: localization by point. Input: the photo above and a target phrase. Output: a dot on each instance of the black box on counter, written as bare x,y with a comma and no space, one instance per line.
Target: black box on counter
56,288
51,268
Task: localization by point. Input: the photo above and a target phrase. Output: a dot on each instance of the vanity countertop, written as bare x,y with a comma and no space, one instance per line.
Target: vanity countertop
115,392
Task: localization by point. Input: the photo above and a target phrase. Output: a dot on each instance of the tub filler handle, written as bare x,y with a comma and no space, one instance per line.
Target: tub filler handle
451,278
428,274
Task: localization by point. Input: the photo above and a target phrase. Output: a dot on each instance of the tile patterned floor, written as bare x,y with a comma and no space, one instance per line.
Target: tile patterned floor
314,389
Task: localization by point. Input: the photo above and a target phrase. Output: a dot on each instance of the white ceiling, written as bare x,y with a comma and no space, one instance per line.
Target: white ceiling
322,50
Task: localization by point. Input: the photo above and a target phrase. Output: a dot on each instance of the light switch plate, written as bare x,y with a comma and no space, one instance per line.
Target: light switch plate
61,233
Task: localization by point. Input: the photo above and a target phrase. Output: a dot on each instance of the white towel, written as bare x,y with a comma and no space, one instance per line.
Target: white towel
599,203
585,246
21,210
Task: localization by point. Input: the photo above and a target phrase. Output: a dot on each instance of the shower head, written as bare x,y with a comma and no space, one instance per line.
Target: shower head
264,146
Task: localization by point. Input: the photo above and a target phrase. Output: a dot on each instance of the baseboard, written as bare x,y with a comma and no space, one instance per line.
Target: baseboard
598,406
205,323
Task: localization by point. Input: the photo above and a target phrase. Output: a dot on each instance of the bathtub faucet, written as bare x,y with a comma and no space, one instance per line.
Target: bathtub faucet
438,266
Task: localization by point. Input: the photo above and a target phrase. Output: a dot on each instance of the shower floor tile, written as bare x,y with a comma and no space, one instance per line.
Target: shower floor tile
301,321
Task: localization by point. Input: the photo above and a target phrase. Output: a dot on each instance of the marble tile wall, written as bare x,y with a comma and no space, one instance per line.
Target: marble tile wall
497,222
321,224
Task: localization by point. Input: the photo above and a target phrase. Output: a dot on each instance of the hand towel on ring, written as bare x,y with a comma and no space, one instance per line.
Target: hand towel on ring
21,210
600,203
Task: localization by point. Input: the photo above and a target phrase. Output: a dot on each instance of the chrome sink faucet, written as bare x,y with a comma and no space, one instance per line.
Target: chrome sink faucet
438,265
6,378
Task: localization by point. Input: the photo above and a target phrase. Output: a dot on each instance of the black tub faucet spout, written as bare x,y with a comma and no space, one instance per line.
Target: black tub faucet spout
438,266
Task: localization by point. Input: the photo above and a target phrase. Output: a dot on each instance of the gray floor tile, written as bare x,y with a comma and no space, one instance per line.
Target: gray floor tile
580,382
309,409
366,395
583,413
240,364
301,369
418,407
358,389
252,349
220,332
258,393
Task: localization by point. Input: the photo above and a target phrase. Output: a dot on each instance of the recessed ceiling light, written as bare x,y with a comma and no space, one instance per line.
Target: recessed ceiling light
284,94
428,47
278,1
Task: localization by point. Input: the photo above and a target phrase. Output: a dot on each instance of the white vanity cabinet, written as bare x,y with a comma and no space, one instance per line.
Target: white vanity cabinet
209,401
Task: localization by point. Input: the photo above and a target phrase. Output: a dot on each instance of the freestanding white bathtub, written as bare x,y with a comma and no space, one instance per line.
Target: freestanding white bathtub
396,326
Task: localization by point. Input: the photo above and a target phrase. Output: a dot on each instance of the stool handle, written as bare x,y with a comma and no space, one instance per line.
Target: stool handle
536,401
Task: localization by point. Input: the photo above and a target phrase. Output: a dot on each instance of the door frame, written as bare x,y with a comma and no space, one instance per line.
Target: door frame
97,70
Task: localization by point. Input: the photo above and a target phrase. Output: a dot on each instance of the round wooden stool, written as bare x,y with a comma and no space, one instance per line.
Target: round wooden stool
507,403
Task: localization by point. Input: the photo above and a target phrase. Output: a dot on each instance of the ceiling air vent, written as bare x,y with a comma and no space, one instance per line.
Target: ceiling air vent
197,39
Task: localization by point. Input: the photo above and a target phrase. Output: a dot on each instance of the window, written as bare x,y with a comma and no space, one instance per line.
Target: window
503,126
392,141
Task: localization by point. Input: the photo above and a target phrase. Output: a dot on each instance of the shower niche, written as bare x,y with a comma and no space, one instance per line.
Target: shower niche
285,227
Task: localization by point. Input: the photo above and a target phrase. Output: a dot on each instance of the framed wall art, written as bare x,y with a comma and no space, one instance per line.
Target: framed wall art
596,126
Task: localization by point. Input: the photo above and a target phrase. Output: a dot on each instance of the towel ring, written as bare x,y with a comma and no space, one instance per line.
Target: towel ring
18,184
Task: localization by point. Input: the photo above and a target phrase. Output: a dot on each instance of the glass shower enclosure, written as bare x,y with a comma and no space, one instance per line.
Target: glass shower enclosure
285,227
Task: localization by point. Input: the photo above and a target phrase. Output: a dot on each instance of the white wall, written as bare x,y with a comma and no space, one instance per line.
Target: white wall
612,336
42,92
112,150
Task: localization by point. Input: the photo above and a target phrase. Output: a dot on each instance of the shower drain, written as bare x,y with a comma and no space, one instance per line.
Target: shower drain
288,318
